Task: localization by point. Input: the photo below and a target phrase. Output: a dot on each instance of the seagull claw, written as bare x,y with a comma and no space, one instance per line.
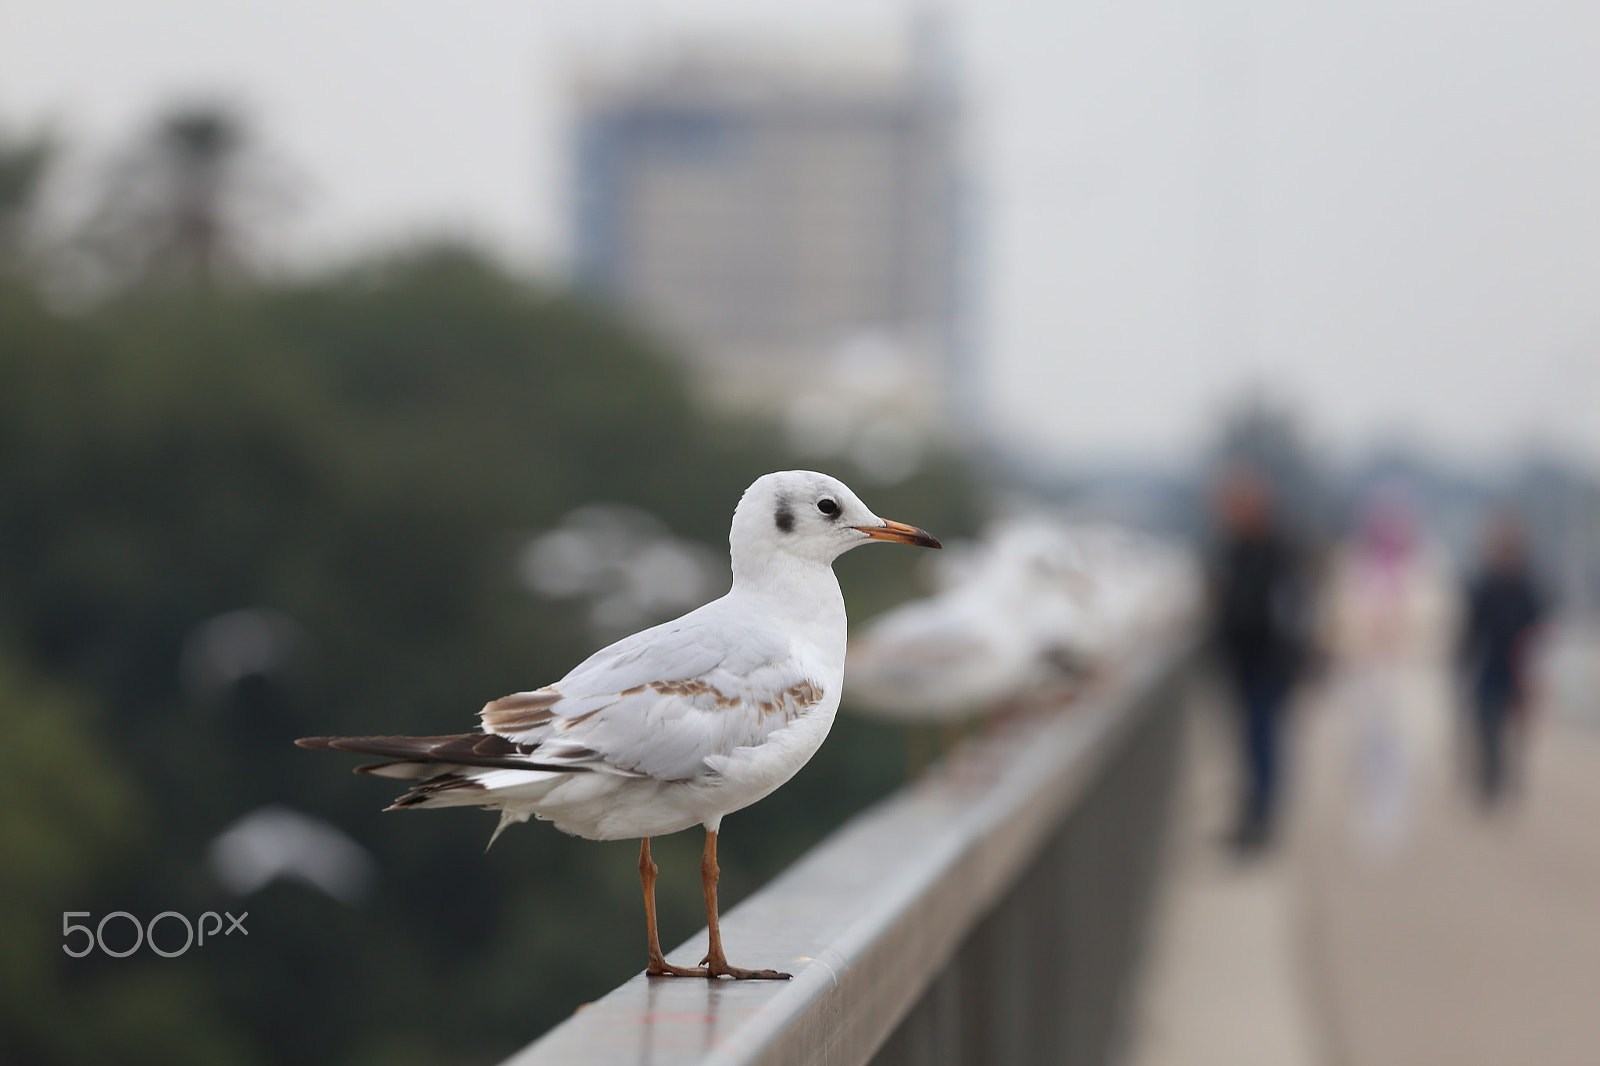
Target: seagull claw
666,969
720,968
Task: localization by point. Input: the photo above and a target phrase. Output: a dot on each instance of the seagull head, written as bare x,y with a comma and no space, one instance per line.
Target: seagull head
811,516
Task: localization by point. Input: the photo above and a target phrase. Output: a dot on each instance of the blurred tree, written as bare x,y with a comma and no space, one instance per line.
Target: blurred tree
23,164
188,204
69,820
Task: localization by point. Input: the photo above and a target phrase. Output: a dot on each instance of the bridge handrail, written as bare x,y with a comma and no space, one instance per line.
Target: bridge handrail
868,918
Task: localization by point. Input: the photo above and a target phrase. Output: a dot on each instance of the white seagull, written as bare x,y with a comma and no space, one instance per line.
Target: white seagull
678,724
1008,623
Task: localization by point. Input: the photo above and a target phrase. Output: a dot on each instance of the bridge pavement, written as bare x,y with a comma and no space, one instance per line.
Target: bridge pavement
1431,934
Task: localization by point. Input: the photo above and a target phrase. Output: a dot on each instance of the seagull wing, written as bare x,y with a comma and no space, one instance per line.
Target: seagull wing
659,703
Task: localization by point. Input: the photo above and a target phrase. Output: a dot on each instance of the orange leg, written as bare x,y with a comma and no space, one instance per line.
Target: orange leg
715,962
659,966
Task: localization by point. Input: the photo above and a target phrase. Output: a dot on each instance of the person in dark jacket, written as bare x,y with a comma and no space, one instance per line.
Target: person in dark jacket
1504,610
1259,593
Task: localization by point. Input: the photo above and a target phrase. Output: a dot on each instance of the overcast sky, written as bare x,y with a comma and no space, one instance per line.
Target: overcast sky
1385,211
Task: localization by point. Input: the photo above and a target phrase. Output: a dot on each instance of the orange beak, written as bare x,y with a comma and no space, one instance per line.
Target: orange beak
900,533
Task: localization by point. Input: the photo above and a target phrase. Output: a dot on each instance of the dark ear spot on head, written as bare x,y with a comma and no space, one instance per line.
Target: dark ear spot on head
784,518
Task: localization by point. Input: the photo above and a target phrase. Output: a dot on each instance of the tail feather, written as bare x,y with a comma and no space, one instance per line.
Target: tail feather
468,769
401,769
428,793
463,749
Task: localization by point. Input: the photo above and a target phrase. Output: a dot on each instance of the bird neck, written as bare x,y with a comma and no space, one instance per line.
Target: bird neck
801,590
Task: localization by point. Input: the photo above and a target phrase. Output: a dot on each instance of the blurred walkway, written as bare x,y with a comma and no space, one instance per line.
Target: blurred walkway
1469,941
1224,980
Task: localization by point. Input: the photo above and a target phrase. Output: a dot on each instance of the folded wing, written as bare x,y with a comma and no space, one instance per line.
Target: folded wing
660,702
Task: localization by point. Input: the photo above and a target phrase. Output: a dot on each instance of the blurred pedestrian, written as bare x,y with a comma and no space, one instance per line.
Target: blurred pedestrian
1259,602
1504,609
1389,616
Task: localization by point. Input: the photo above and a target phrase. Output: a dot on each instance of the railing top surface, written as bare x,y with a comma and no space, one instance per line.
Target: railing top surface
867,918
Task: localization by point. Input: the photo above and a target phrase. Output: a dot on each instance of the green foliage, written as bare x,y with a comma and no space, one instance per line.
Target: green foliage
362,454
23,165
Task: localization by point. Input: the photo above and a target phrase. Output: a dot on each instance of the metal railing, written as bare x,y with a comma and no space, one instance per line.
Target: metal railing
988,913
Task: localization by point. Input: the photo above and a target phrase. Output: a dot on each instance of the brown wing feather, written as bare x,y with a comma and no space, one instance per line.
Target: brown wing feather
519,711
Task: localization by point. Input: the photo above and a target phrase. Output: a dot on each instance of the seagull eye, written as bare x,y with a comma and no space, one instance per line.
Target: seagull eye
827,506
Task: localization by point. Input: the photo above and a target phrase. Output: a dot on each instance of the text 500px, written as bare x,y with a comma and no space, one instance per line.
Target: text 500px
146,933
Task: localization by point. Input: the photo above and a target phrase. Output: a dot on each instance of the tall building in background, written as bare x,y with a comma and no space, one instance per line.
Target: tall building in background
787,222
